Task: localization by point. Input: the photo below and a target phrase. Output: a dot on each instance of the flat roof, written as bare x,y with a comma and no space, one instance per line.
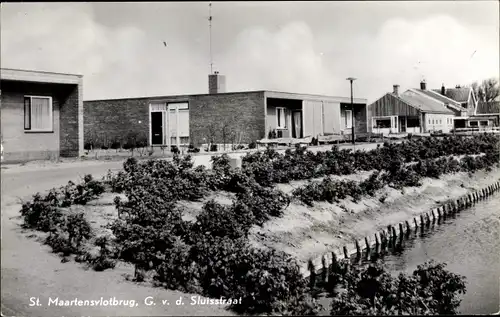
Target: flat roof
39,76
267,93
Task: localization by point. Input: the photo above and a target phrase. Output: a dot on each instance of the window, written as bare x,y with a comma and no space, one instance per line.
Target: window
348,119
412,123
38,114
473,123
483,123
383,123
429,121
280,118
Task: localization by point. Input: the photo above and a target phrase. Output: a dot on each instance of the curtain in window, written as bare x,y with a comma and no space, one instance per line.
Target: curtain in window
41,117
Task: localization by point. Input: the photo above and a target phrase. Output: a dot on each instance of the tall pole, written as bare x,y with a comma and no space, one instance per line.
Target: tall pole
352,113
351,79
210,34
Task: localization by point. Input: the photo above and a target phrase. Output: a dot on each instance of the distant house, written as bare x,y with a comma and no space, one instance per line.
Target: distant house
41,115
410,112
221,116
438,110
463,95
486,114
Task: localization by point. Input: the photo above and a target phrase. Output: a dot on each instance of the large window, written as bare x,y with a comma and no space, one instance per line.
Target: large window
473,123
383,123
281,118
412,123
38,114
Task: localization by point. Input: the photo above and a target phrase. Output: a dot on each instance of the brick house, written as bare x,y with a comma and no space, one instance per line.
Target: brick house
41,115
242,117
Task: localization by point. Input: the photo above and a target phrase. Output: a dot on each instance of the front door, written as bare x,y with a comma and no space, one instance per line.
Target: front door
156,128
297,124
402,124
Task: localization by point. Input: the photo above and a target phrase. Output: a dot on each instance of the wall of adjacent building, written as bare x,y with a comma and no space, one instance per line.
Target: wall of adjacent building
63,140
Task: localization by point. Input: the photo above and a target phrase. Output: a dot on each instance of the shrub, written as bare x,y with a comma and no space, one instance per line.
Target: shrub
193,149
60,243
430,290
78,229
252,145
264,202
174,149
224,221
40,214
103,261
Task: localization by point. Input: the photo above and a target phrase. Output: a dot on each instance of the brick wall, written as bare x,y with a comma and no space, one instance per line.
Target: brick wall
71,121
243,112
20,145
109,120
360,115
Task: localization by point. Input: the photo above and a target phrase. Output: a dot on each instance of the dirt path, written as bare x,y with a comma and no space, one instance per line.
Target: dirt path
29,269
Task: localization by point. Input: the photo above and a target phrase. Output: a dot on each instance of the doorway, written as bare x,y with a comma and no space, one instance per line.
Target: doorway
157,128
402,124
297,124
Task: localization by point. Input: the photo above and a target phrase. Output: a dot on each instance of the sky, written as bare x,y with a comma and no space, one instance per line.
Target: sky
303,47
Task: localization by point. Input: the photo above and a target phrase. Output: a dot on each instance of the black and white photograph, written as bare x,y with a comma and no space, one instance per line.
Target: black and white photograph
250,158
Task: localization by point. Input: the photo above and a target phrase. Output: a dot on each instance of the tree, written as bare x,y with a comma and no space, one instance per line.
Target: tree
488,90
430,290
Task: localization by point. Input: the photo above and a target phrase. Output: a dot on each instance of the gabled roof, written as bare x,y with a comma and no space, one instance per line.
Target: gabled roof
492,107
443,99
458,94
424,104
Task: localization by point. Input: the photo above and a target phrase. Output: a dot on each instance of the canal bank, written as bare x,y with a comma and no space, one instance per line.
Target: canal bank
468,241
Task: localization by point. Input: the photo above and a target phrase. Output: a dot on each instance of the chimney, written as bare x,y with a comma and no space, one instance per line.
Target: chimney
422,85
443,90
216,83
395,90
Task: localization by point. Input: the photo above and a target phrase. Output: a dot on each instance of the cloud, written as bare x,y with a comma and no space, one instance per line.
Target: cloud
115,61
129,59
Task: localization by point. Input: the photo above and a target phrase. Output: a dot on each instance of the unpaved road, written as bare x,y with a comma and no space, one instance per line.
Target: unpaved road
29,269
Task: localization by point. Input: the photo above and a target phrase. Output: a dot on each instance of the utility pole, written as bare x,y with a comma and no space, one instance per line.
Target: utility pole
351,79
210,35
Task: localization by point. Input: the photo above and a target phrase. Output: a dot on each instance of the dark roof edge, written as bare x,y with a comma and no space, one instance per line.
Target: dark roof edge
39,71
224,93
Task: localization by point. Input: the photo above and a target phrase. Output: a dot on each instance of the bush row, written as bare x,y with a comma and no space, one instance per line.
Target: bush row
67,231
269,167
212,255
398,176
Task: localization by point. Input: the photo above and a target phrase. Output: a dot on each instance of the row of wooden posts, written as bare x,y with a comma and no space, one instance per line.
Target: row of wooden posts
393,233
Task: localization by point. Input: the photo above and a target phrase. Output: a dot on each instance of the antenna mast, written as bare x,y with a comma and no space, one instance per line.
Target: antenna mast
210,34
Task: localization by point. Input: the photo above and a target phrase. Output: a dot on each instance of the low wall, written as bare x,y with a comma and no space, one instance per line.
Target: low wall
394,234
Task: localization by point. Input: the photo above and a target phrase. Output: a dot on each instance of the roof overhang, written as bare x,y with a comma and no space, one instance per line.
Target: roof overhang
39,77
288,95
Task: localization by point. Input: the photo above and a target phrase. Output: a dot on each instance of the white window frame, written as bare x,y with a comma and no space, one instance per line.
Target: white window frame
391,118
51,105
348,119
283,118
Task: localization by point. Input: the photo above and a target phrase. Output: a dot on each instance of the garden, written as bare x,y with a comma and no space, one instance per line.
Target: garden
196,230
